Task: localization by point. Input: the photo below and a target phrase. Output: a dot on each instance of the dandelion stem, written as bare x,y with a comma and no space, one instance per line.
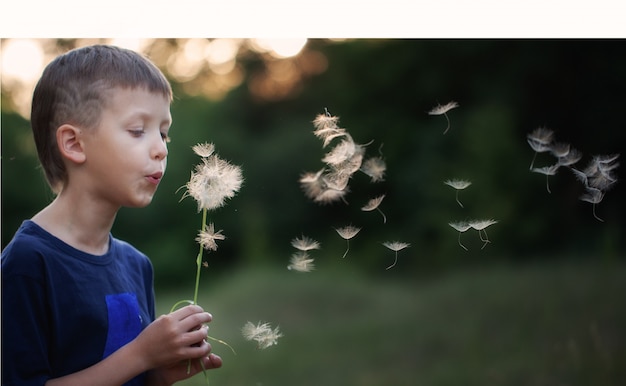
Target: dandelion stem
199,260
548,184
457,199
347,249
593,208
485,240
384,217
447,119
462,246
394,262
533,161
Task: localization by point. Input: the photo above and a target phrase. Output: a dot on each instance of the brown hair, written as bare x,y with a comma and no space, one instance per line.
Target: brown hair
72,89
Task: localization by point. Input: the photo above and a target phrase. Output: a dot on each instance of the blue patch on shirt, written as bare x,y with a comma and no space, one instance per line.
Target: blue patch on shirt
124,321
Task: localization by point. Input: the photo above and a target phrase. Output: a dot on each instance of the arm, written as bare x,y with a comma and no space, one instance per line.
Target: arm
163,345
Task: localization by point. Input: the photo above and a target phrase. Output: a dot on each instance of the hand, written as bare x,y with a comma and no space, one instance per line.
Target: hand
174,337
169,375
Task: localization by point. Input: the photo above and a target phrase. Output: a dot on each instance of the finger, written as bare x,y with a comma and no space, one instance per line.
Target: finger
186,311
196,337
211,361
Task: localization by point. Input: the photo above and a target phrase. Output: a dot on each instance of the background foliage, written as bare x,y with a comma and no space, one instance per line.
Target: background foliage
381,90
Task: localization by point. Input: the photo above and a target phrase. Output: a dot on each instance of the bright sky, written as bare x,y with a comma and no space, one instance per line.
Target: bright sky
320,18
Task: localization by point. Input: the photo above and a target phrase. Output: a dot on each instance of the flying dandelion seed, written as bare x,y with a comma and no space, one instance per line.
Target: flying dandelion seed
375,168
204,150
539,140
305,243
480,226
571,158
548,171
443,110
559,149
593,196
458,185
373,204
395,246
301,262
347,233
207,237
461,226
262,333
326,128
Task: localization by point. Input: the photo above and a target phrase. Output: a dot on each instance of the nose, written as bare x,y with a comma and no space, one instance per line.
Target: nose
159,148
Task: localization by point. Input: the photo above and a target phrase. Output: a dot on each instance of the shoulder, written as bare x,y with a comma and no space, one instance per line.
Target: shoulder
26,250
130,254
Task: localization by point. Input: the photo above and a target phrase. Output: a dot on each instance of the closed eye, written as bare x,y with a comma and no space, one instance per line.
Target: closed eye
137,133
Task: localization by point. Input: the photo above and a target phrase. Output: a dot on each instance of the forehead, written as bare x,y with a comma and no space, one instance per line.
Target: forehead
136,101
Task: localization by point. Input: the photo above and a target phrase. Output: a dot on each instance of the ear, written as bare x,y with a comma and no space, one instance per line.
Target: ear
69,141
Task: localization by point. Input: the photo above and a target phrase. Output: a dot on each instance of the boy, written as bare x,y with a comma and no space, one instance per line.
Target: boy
77,303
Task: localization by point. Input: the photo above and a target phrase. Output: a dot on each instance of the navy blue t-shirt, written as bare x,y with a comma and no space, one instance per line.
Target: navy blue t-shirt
64,310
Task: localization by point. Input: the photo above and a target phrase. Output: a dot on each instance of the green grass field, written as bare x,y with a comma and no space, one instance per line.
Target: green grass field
550,324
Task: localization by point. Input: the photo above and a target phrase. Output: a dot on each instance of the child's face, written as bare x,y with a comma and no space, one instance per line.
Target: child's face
126,154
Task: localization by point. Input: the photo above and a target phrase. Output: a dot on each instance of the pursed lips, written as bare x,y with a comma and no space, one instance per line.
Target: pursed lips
155,178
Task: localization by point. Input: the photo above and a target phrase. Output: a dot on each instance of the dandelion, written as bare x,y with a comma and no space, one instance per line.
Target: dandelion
373,205
262,333
548,171
480,226
305,244
212,182
375,168
539,140
347,233
458,185
460,226
207,238
395,246
442,110
301,262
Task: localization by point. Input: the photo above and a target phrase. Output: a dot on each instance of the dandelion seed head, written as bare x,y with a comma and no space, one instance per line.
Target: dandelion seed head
305,243
207,238
348,232
396,245
442,109
213,181
301,262
458,184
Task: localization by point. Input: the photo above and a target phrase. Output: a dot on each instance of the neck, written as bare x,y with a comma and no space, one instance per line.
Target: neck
79,221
